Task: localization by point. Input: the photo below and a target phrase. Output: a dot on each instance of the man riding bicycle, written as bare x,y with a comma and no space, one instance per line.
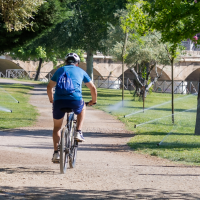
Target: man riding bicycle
73,100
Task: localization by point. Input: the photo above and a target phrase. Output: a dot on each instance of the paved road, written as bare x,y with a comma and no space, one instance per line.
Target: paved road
106,168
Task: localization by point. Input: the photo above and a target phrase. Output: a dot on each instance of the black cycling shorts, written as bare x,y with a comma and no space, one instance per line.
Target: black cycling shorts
75,105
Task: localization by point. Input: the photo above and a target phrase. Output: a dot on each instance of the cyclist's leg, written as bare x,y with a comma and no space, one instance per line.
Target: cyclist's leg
56,132
58,116
80,118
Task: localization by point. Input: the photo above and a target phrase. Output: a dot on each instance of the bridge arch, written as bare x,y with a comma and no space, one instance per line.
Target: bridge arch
8,64
165,73
30,67
96,73
193,76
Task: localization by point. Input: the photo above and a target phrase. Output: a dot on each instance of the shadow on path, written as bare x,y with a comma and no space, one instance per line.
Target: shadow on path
32,133
38,134
59,193
24,170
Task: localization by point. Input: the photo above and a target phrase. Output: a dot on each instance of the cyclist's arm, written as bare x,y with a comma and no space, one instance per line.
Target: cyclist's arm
93,91
50,87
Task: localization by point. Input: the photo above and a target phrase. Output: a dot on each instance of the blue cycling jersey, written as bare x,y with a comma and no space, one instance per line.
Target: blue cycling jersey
78,76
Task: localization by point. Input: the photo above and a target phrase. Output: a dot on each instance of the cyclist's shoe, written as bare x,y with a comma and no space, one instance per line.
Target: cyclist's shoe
79,137
56,158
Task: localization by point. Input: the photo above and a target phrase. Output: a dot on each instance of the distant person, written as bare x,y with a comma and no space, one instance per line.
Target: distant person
73,100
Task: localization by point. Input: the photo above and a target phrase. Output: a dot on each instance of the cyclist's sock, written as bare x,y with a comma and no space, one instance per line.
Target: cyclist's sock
55,151
79,131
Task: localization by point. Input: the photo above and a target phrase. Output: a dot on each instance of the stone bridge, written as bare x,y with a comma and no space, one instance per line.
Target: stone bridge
188,69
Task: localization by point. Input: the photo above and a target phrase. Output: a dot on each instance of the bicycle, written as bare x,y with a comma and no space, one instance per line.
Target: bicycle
68,145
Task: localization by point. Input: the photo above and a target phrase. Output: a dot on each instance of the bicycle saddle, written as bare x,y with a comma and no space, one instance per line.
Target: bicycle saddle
66,110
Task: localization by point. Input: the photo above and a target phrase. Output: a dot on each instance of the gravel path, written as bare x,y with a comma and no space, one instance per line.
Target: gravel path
106,168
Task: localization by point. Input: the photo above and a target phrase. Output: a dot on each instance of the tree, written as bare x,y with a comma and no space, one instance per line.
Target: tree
86,29
143,52
176,20
16,14
49,14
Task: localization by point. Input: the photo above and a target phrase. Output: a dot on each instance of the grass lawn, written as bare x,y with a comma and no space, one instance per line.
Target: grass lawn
23,114
28,80
154,124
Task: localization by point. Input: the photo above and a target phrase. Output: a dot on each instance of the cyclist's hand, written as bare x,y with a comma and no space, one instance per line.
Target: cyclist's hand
90,103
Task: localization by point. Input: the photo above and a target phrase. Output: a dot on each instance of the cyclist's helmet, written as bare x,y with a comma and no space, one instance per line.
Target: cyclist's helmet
72,58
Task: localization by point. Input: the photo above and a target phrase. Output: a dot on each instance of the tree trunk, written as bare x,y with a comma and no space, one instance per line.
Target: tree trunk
89,62
144,93
38,70
122,81
197,127
123,54
172,68
147,71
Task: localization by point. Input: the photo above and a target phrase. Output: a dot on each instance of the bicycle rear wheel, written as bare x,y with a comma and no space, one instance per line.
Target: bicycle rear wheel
64,144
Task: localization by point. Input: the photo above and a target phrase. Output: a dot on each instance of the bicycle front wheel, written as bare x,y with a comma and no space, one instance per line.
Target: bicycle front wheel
74,147
73,155
64,150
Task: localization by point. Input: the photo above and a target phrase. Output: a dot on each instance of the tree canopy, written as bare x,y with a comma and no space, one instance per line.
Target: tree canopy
177,20
146,49
48,15
16,14
34,52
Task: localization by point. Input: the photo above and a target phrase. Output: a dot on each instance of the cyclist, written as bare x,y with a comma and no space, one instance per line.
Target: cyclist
73,100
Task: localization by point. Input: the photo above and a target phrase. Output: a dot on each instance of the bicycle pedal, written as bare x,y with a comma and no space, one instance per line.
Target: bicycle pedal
56,162
78,140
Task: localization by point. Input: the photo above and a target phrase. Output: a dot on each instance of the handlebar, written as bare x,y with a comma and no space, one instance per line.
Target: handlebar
86,103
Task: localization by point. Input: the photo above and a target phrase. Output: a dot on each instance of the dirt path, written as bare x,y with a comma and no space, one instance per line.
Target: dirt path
106,168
